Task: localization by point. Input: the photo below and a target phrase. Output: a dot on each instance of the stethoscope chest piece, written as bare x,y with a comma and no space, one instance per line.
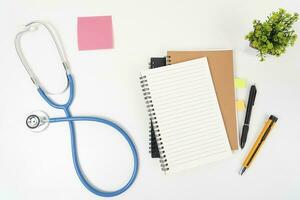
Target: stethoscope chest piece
37,121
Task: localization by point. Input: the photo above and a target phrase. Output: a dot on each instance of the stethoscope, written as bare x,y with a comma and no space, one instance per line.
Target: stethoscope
39,120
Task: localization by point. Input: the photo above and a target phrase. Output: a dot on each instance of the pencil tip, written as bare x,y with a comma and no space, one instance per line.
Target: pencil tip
243,170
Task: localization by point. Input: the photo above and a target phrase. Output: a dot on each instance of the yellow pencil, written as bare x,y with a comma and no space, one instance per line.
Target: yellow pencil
258,143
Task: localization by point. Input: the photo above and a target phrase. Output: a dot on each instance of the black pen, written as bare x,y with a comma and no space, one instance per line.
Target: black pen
250,104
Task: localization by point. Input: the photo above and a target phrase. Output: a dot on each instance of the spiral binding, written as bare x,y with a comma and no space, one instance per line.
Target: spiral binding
152,116
168,60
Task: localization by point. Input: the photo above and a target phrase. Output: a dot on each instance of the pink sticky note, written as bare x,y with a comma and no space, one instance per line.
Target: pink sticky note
94,33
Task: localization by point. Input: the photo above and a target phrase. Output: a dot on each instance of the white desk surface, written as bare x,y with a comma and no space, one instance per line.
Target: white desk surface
39,166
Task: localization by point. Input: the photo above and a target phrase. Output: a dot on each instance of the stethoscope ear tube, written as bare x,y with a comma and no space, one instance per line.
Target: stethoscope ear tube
33,26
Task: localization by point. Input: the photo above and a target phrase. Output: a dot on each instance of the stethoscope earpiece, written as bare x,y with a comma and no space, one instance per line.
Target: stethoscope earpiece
37,121
31,28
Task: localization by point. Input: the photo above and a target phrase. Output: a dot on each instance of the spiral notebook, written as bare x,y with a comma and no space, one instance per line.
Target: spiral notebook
186,117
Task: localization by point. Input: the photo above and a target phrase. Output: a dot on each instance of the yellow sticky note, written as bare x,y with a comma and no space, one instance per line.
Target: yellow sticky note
240,105
239,83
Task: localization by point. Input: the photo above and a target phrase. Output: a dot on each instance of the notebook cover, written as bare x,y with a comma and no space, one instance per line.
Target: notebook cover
153,143
155,62
221,68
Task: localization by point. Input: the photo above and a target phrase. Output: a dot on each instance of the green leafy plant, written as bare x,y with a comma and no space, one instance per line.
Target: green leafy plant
274,35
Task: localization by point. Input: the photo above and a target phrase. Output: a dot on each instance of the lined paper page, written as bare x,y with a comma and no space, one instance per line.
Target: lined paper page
189,119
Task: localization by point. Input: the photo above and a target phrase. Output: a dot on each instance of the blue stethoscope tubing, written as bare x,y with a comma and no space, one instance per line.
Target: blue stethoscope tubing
70,119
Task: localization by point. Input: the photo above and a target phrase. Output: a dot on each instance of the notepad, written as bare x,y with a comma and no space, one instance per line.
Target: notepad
221,69
183,107
95,32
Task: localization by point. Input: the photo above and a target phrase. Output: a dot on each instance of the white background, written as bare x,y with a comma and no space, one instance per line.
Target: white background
39,166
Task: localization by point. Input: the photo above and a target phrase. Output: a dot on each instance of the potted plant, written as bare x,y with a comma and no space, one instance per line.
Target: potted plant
274,35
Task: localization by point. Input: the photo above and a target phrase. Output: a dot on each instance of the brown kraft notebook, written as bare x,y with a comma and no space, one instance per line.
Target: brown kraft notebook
221,69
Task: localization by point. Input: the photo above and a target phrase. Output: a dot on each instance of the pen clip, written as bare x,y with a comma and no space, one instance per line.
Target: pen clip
254,91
